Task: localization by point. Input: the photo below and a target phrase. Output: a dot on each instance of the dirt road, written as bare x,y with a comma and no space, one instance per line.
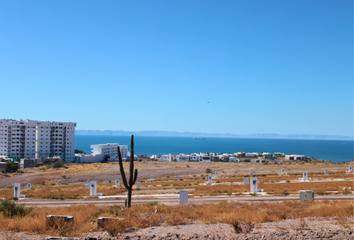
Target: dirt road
174,200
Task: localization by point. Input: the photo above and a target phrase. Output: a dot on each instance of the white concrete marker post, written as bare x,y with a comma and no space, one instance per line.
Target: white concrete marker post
216,174
282,172
58,183
210,180
93,188
326,172
245,181
117,182
253,186
251,174
17,190
152,178
107,182
138,185
87,186
183,197
29,186
178,178
350,169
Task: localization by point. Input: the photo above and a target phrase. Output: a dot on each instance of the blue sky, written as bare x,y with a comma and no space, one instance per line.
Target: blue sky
264,66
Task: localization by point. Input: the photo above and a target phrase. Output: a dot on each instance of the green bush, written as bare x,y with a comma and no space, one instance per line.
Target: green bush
58,164
153,203
9,208
208,170
13,167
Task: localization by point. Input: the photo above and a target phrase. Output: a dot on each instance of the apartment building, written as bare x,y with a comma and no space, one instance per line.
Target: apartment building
37,139
110,150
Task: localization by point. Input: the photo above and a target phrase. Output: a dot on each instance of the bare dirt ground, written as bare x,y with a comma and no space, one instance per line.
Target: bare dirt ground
110,171
307,228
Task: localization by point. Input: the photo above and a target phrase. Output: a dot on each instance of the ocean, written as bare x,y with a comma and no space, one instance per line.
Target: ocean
332,150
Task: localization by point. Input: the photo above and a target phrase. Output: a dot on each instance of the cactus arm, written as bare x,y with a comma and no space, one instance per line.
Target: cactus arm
121,168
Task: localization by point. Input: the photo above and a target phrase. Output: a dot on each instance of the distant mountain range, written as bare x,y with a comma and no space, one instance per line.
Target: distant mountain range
221,135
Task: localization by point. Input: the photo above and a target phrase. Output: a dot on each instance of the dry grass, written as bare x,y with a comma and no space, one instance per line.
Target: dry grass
144,215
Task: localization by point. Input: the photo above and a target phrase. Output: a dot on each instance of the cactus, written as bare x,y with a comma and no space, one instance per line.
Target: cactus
132,177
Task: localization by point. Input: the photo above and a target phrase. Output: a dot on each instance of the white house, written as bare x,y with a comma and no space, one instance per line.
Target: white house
251,155
205,158
182,158
194,158
166,158
234,159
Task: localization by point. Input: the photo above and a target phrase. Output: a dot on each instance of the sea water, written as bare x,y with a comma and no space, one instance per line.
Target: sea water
332,150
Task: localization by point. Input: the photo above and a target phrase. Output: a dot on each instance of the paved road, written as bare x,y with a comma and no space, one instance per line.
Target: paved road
173,200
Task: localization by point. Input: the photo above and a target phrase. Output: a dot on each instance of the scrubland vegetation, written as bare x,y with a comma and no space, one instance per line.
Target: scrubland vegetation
145,215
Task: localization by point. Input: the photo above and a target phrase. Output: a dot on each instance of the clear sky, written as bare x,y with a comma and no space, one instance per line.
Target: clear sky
264,66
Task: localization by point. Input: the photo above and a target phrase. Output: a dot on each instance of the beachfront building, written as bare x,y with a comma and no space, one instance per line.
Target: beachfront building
110,150
234,159
267,156
294,157
166,158
37,139
205,158
182,158
194,157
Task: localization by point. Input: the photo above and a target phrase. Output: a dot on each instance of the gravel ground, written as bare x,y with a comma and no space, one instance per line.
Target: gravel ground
307,228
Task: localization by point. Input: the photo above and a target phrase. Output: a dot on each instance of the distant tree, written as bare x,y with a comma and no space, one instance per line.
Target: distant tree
105,159
13,167
79,151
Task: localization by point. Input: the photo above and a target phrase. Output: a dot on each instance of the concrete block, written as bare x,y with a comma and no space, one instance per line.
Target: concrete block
57,221
251,174
245,181
103,221
178,178
307,195
117,182
326,172
216,174
99,194
29,186
107,182
87,186
138,184
183,197
152,178
282,171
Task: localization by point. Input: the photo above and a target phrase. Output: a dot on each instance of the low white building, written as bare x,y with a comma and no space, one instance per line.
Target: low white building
110,150
205,158
194,158
295,157
251,155
182,158
166,158
234,159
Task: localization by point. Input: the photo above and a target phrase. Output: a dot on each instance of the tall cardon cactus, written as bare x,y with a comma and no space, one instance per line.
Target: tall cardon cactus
132,176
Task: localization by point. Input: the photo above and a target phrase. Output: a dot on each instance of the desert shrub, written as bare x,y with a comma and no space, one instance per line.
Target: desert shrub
58,164
13,167
153,203
208,170
9,209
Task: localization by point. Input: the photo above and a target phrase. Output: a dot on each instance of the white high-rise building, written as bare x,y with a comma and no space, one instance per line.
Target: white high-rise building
37,139
110,150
